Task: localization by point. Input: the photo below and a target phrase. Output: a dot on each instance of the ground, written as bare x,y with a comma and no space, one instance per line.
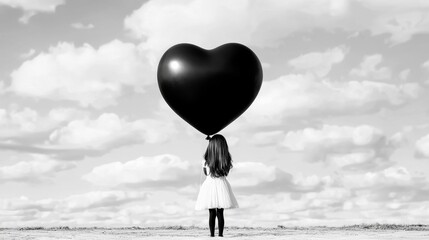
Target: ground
360,232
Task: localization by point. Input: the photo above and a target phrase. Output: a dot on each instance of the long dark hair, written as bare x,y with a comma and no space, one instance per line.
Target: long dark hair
217,156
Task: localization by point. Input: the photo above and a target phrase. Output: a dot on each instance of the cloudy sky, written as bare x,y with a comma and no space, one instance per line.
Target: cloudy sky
339,133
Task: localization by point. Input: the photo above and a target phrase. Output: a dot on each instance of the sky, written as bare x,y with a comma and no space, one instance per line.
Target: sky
338,135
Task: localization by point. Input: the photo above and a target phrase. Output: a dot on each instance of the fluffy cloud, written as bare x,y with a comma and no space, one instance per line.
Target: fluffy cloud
171,22
267,138
351,148
28,54
161,170
78,25
26,124
77,209
392,188
396,176
392,195
32,7
369,68
259,178
266,24
301,96
261,172
402,20
403,75
88,76
332,137
319,63
39,168
426,64
14,123
108,131
100,199
422,147
101,209
291,209
169,171
83,136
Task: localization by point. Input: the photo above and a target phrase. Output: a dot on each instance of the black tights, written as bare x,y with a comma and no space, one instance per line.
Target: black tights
213,213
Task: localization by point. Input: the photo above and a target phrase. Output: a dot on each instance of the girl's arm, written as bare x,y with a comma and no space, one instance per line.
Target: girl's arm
203,164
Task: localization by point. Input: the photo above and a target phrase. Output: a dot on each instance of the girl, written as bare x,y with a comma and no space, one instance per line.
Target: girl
215,192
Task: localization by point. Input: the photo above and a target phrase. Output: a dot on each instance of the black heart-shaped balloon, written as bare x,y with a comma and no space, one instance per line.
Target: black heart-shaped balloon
209,88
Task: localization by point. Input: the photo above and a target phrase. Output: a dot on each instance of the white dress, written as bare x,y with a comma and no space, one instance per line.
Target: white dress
215,192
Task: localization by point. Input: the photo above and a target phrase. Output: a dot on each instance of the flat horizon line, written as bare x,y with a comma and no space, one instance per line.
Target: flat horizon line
363,226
